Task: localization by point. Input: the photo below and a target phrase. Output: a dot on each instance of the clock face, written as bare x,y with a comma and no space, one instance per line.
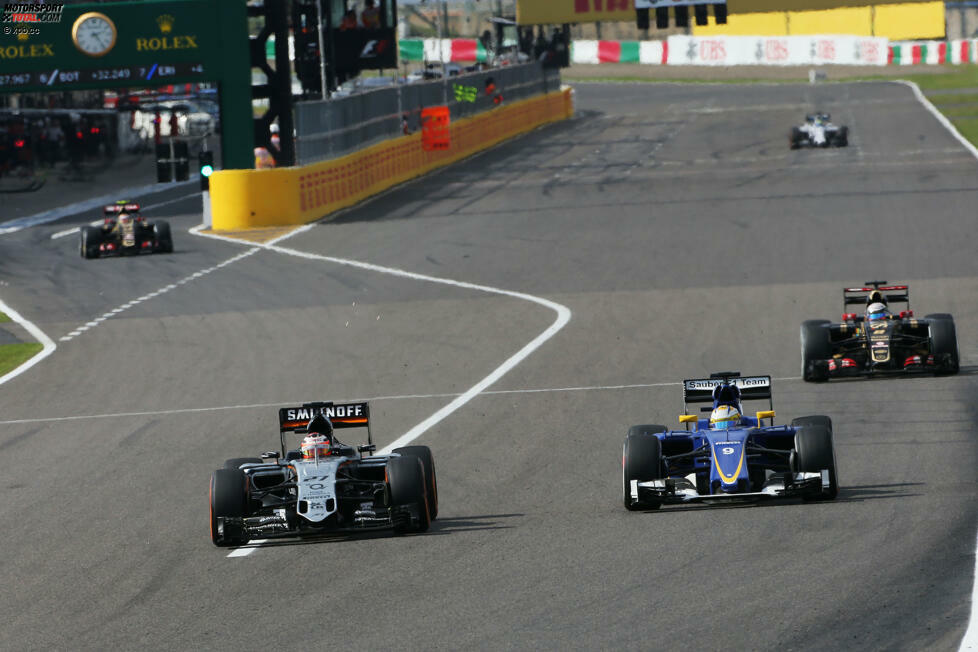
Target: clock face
93,34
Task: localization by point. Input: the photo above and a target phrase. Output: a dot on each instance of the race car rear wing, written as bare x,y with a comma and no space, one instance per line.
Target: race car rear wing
341,415
121,207
890,293
752,388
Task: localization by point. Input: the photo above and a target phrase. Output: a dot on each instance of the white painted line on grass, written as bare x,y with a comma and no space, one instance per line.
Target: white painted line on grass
47,344
947,124
146,297
61,234
563,316
361,399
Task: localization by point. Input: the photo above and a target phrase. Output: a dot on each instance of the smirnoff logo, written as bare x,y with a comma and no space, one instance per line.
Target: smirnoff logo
332,412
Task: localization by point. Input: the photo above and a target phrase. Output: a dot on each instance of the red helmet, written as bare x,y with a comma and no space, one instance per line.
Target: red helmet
314,446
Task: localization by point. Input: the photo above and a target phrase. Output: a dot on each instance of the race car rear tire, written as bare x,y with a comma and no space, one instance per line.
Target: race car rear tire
641,459
944,343
227,498
814,420
430,479
813,453
236,462
91,237
405,480
842,138
815,346
164,241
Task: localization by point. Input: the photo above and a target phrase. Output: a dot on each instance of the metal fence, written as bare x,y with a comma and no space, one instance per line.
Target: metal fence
327,129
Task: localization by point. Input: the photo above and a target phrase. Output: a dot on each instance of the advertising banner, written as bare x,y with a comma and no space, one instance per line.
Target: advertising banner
655,4
553,12
777,51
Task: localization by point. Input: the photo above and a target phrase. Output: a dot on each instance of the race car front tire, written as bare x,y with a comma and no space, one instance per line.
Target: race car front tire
227,498
91,237
815,346
406,482
814,453
430,479
842,138
944,343
236,462
641,459
164,241
795,138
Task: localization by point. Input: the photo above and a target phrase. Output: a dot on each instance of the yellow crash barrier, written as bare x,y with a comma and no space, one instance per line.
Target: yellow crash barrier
244,199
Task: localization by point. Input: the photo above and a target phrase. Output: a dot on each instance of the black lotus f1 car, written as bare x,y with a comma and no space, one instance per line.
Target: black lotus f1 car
125,232
878,341
339,491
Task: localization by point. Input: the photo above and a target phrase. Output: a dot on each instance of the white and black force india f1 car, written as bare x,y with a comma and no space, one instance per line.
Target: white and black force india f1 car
729,457
878,341
329,488
818,132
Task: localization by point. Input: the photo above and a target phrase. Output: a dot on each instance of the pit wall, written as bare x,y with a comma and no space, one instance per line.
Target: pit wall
245,199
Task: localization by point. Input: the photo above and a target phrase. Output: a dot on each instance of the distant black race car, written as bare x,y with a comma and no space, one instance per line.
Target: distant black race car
818,132
125,232
878,341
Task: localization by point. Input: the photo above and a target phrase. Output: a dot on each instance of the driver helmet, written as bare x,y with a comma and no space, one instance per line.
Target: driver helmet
124,217
319,438
273,128
876,311
724,416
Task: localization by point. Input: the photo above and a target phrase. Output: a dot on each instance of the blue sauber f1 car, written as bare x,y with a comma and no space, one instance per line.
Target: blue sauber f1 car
730,456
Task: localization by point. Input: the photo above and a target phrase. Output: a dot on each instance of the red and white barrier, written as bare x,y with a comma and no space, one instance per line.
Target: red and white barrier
915,53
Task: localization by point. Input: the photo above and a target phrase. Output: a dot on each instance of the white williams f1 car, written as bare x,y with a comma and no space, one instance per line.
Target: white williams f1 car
819,132
325,486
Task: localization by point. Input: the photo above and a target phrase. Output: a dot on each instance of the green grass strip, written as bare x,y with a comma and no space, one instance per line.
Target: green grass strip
953,98
4,318
14,355
968,128
967,111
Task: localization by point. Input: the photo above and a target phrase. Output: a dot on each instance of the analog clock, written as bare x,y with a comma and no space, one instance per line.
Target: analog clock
94,34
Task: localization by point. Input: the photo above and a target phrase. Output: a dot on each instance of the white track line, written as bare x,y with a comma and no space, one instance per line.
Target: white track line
47,343
563,316
361,399
970,640
947,124
12,226
61,234
163,290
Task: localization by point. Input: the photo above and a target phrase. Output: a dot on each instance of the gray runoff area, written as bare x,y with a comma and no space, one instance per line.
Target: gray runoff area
330,128
684,236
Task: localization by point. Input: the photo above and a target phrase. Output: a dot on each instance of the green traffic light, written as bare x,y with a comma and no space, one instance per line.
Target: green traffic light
206,170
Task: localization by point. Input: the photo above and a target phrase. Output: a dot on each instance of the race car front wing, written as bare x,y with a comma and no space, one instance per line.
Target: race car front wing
681,490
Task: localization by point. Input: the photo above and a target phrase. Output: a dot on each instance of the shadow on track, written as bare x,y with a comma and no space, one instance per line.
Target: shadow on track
847,494
440,527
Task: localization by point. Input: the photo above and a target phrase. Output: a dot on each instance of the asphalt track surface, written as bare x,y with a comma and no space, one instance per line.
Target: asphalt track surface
683,236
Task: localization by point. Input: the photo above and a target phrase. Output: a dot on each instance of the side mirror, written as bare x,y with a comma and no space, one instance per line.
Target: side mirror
369,448
765,414
270,455
688,419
